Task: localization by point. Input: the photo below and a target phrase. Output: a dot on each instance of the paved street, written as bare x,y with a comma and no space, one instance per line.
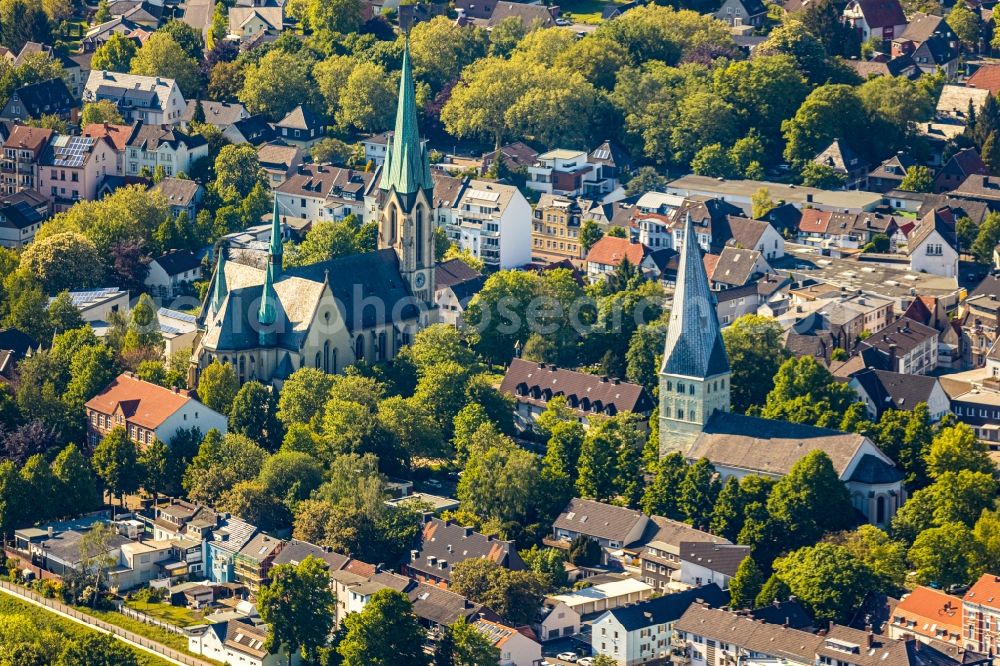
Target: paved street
198,13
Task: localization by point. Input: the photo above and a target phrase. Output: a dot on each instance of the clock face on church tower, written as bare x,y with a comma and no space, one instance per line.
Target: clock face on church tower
419,280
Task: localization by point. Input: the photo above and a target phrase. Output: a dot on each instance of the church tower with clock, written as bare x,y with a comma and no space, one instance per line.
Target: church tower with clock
406,222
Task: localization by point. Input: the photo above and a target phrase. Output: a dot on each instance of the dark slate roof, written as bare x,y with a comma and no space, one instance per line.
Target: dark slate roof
450,543
892,390
694,345
905,333
454,272
295,551
255,129
668,608
19,215
724,558
178,261
528,380
178,191
790,613
300,118
882,13
873,470
597,519
50,96
149,137
16,341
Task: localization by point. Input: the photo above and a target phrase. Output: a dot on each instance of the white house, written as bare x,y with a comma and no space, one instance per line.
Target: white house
516,648
882,19
322,192
376,146
605,596
706,563
169,272
882,390
557,619
152,99
493,222
641,632
151,146
96,305
249,22
930,244
237,642
757,235
178,329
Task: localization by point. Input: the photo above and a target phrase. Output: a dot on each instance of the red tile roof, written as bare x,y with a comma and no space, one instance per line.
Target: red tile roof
814,221
987,77
610,250
143,403
28,138
927,606
118,135
986,591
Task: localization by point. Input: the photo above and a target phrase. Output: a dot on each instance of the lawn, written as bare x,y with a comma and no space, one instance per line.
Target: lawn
584,11
176,615
12,606
168,638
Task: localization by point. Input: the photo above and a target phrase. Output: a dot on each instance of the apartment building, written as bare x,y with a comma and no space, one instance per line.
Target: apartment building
555,233
21,153
492,221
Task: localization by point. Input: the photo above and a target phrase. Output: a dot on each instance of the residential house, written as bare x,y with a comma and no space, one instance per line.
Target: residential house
736,13
323,192
610,252
301,126
986,77
19,220
152,146
15,346
182,194
931,311
22,151
238,642
556,620
932,244
735,267
906,347
455,285
186,526
710,219
612,527
252,564
890,173
179,331
96,305
71,168
660,555
756,235
839,157
929,614
97,35
612,165
955,100
376,146
171,273
882,19
980,615
958,168
517,157
492,221
848,318
147,13
603,596
882,390
740,445
250,23
529,15
980,321
152,100
46,98
219,114
228,538
517,647
930,42
642,632
573,173
279,160
555,233
532,385
147,411
254,130
706,563
443,544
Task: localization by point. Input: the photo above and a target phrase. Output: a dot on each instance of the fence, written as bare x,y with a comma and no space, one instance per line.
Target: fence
124,634
149,619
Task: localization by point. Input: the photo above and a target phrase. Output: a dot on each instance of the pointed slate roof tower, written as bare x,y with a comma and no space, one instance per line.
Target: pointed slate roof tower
407,167
267,313
694,376
219,290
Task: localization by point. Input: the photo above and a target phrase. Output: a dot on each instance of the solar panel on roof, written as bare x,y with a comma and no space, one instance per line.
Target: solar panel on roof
483,194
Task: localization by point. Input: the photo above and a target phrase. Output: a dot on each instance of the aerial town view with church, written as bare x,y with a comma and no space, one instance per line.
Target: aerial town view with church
504,333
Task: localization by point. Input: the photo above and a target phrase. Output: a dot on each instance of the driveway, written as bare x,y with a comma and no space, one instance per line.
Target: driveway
198,14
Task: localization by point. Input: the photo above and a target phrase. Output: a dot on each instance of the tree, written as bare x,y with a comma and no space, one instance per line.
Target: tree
646,179
765,91
115,54
38,481
94,649
956,448
154,465
793,38
77,486
953,497
755,351
727,515
501,480
219,26
713,160
186,37
13,502
987,239
303,396
343,16
384,633
440,50
116,464
100,112
297,605
103,14
254,414
598,463
885,556
63,261
966,26
698,492
829,112
368,98
237,172
63,315
918,179
946,555
550,562
810,500
222,462
499,329
805,392
774,590
470,647
291,476
218,385
590,233
23,22
822,176
330,149
826,578
278,82
162,56
746,585
515,595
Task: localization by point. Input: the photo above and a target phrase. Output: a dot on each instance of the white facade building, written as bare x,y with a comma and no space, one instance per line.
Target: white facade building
152,99
493,222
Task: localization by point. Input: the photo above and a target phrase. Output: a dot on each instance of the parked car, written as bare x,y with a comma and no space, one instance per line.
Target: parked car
563,22
567,656
586,661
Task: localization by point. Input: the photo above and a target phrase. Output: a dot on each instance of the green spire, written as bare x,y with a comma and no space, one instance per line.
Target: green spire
267,312
407,168
219,288
275,251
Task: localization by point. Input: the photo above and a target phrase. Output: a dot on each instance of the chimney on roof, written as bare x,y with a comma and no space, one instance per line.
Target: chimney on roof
51,531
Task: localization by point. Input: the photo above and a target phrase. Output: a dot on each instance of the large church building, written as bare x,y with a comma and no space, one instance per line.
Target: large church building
695,417
268,320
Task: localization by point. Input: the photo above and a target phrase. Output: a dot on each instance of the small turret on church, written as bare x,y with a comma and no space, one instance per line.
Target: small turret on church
407,215
695,376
